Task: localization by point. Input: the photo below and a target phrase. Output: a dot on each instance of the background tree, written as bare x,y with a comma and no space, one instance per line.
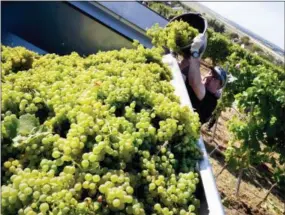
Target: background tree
216,25
234,35
255,48
245,40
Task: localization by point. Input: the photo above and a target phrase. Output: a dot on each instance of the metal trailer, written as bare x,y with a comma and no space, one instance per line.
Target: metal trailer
88,27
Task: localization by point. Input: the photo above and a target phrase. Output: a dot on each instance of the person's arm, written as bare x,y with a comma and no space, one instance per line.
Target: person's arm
194,78
184,63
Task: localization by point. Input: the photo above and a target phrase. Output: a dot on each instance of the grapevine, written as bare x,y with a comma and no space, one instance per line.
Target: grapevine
258,92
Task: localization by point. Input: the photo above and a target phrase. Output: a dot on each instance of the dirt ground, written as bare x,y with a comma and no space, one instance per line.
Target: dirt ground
255,182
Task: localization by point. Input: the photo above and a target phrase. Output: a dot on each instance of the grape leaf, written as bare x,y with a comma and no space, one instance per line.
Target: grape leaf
34,136
27,123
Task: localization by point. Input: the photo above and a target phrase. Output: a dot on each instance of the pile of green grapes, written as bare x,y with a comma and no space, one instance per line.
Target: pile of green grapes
103,134
175,36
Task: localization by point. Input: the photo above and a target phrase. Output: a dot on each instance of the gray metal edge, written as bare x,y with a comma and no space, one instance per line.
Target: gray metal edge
215,206
133,11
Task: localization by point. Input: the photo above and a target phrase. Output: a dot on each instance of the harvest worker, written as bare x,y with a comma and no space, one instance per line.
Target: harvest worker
204,93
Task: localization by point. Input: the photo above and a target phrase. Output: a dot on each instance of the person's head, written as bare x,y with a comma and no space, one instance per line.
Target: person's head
216,80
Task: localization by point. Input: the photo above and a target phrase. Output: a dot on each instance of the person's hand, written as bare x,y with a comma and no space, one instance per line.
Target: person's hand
206,78
199,44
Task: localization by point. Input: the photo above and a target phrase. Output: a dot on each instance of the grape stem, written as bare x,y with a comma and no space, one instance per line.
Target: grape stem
177,145
164,145
76,164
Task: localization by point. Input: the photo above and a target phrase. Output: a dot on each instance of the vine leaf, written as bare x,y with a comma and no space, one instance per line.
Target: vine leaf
27,123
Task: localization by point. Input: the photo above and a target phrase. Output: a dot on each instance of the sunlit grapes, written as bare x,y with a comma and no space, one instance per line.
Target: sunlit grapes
103,134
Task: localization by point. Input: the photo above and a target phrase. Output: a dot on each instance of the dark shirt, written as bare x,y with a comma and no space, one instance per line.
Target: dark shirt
204,107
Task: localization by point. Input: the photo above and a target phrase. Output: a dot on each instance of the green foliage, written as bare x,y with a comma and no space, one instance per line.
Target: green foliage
27,123
267,96
259,93
218,48
234,35
164,10
245,40
216,25
255,48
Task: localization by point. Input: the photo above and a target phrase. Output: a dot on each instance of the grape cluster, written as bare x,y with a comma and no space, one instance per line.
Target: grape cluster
103,134
16,59
174,36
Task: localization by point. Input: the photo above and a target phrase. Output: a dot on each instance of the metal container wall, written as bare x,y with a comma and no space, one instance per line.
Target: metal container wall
58,27
136,13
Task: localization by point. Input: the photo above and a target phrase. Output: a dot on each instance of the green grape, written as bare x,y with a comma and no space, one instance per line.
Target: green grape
116,203
44,207
96,178
85,163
